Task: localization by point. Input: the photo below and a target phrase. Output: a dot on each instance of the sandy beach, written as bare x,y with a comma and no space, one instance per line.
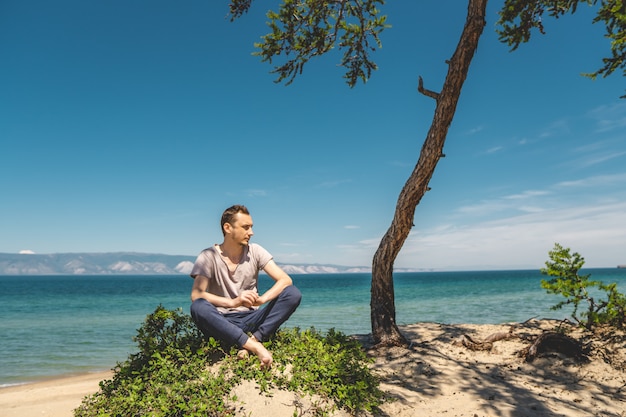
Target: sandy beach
436,376
49,398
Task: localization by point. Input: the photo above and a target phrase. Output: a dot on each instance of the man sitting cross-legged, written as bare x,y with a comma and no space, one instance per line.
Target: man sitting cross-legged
225,300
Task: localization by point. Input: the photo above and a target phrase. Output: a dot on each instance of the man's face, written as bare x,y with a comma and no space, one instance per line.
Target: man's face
240,230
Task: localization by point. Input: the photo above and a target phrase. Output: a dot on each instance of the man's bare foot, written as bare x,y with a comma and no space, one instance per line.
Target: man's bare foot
256,347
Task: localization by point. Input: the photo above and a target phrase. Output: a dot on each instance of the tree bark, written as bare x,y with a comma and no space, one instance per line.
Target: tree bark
383,312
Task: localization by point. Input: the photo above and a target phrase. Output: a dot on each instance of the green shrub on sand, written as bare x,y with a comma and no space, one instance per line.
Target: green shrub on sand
178,373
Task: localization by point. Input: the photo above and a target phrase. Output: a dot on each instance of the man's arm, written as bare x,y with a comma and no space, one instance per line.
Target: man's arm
282,281
201,283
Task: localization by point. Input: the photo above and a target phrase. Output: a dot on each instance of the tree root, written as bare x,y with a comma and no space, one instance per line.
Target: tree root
487,343
554,342
546,342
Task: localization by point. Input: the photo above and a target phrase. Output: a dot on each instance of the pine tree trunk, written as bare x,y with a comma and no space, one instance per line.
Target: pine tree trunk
383,312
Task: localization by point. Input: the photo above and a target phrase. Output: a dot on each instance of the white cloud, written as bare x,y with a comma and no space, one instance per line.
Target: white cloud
530,209
295,257
609,117
595,231
332,184
484,208
555,128
475,130
401,164
598,152
526,194
517,230
256,193
595,181
291,244
601,158
495,149
26,252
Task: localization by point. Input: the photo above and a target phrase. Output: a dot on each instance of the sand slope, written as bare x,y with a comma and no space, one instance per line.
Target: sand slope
436,376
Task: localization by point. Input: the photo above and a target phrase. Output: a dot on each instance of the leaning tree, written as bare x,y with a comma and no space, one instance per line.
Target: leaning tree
303,29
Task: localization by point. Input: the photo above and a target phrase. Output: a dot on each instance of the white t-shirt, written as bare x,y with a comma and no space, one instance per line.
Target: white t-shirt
222,282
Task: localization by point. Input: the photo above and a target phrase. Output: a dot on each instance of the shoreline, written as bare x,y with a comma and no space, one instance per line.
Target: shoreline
42,379
54,397
436,376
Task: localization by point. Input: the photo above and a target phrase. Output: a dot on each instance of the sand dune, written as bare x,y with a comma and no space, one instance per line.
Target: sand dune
437,376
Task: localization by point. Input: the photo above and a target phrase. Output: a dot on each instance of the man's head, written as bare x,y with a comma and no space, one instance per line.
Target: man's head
236,221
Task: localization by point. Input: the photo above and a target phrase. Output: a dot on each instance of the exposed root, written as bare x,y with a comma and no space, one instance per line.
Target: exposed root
553,342
487,343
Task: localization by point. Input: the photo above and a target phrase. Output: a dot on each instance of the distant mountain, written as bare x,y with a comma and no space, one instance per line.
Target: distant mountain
120,263
93,263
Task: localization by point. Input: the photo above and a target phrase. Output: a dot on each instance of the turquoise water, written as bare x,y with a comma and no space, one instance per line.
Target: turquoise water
56,325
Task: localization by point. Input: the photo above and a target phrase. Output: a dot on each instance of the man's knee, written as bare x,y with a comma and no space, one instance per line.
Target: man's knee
291,295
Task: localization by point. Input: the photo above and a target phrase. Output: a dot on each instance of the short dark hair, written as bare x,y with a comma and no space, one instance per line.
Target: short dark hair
229,214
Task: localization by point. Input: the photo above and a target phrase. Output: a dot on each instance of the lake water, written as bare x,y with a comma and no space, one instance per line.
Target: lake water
57,325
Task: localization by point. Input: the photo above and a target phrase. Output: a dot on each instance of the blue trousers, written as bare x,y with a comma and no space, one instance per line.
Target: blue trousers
232,328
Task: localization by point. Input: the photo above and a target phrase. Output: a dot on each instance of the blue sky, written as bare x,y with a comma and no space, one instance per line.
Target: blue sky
131,125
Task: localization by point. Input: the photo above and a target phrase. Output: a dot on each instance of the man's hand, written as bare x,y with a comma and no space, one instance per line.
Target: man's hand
247,298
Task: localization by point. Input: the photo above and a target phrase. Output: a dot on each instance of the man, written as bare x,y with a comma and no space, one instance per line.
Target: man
225,299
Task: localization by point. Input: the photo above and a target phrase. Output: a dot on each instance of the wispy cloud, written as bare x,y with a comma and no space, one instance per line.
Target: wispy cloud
333,183
517,202
495,149
401,164
595,181
295,257
609,117
536,201
526,194
475,130
598,152
351,227
290,244
485,207
555,128
523,240
600,158
526,227
256,193
530,209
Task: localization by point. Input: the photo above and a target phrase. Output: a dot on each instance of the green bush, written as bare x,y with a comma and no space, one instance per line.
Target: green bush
577,289
333,366
178,373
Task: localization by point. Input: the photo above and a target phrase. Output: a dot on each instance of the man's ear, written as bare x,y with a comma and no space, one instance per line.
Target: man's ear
227,227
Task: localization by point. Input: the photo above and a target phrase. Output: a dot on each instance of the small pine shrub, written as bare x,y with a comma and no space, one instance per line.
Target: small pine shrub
577,289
